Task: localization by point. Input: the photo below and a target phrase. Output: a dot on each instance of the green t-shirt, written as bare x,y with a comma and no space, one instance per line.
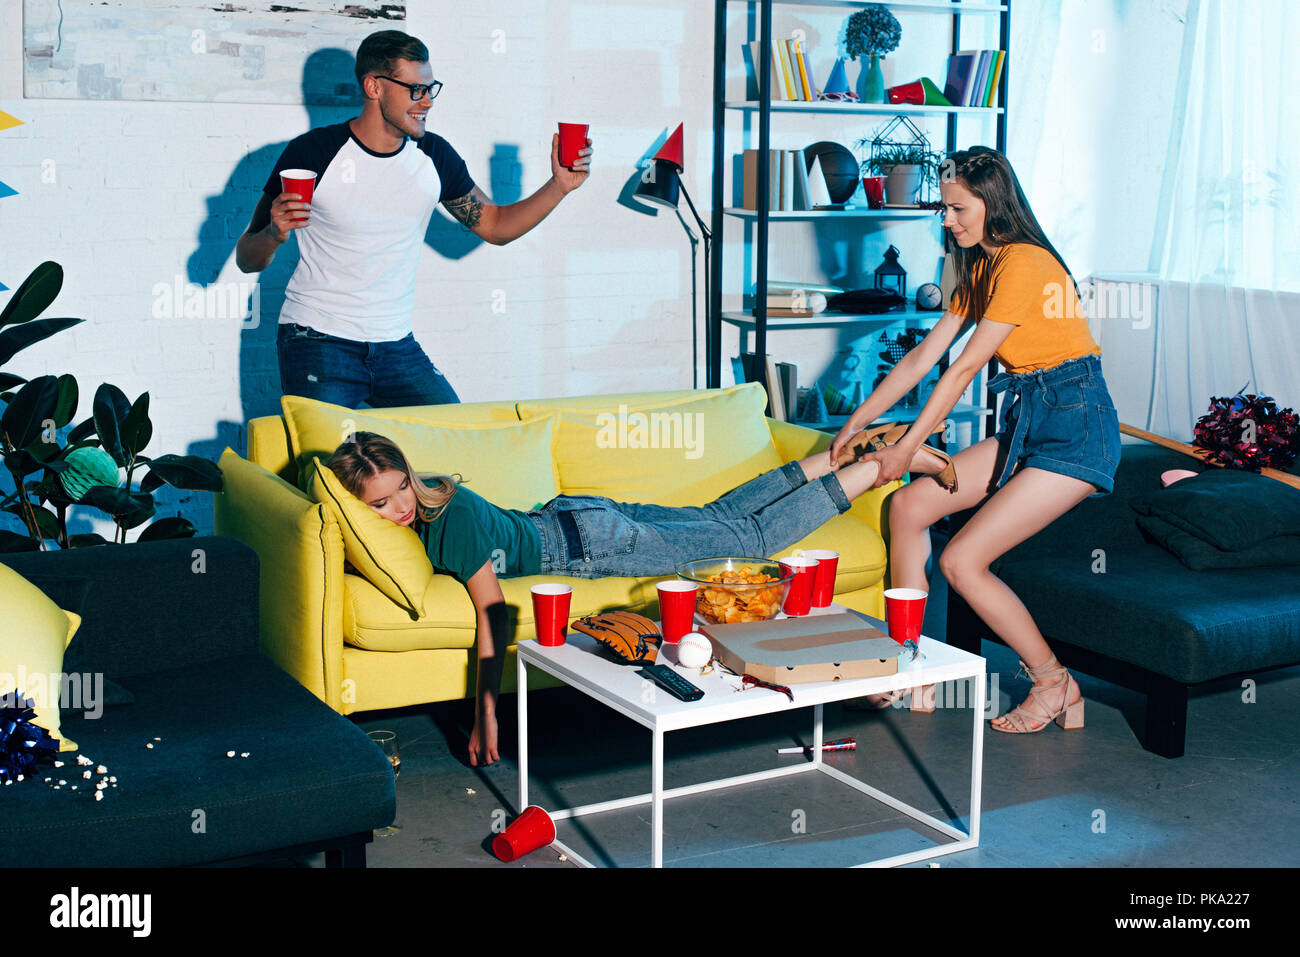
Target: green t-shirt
471,531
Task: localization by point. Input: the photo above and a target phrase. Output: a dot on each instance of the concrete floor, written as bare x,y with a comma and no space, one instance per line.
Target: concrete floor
1085,798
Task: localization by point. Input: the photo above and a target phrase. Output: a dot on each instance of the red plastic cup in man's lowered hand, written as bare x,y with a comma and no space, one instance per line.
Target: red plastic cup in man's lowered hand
798,600
904,614
529,831
551,613
677,608
573,137
823,576
301,182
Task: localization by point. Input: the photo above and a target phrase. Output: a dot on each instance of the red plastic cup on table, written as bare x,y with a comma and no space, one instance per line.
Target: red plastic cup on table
904,615
529,831
798,600
551,613
824,576
677,608
573,137
299,181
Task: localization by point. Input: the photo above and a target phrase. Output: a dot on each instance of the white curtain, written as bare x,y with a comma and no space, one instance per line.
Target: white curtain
1227,240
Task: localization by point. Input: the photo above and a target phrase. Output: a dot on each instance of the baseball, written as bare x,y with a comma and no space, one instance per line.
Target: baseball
694,650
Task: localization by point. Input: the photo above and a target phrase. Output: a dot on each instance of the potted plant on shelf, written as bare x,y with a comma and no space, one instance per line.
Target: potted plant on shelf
873,31
908,164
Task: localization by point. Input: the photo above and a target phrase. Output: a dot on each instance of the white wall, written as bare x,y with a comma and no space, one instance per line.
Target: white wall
597,298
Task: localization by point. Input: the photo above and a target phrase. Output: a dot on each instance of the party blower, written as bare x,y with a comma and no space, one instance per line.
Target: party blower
904,614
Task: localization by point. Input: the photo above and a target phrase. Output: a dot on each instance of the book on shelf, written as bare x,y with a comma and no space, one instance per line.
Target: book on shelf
800,69
784,52
788,381
756,368
807,69
789,186
973,77
777,73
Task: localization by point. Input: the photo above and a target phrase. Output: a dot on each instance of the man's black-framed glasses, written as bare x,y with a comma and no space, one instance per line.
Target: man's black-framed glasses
417,90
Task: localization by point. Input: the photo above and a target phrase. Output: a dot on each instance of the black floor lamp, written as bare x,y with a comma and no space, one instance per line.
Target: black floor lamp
661,184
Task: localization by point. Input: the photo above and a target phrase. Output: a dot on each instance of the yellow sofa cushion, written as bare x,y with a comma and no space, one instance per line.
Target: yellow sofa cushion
387,554
509,463
685,451
371,622
36,633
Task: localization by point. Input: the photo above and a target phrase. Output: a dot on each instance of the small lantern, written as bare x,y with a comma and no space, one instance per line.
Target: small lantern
891,274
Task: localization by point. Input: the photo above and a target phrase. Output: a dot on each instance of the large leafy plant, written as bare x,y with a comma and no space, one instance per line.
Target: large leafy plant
49,476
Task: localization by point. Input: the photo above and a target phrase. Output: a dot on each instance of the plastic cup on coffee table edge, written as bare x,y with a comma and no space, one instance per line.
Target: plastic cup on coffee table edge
551,613
677,608
904,615
798,600
573,137
526,833
303,183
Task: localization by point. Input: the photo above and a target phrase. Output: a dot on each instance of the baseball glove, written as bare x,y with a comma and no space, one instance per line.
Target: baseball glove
634,638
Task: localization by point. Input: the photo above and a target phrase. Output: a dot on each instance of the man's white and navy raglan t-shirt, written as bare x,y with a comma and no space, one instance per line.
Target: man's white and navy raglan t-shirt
369,211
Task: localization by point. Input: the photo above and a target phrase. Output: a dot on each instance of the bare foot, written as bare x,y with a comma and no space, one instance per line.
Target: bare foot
483,740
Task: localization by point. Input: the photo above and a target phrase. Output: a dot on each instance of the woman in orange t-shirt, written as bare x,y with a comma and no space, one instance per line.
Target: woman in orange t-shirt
1058,437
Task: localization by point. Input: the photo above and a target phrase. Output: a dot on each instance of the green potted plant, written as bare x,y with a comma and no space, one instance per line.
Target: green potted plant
874,32
906,168
86,468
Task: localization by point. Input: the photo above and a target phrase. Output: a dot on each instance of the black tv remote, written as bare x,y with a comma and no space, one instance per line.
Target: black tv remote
672,682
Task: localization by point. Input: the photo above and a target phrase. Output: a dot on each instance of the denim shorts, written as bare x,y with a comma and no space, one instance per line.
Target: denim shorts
1062,420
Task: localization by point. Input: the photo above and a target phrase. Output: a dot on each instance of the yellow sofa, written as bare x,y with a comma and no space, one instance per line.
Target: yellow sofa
359,651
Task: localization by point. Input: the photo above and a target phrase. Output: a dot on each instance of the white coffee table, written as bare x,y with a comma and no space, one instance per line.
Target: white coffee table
583,664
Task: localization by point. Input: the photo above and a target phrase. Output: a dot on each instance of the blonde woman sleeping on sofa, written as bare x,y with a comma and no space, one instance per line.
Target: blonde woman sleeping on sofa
583,536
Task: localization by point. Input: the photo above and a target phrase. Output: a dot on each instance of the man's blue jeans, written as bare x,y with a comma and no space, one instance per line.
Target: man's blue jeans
348,373
599,537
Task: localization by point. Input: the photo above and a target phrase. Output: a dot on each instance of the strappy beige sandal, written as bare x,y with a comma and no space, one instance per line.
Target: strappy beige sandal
883,436
1069,717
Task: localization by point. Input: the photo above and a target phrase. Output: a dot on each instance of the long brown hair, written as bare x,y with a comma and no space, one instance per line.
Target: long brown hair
369,454
1007,219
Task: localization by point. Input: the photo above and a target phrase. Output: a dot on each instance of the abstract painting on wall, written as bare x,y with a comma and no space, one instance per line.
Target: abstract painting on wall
217,51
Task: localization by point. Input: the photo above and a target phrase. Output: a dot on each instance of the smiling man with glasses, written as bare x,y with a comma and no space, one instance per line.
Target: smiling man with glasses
345,327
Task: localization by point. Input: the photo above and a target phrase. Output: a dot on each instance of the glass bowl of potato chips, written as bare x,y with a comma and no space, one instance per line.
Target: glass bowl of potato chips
734,590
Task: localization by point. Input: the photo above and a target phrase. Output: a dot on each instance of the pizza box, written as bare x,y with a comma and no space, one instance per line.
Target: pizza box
801,650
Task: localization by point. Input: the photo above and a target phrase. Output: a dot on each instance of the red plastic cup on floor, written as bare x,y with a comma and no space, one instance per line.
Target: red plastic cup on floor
573,137
823,576
677,608
798,600
904,614
551,613
529,831
300,181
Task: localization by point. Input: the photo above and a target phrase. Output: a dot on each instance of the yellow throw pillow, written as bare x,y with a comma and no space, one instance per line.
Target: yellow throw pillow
682,452
36,633
390,556
510,463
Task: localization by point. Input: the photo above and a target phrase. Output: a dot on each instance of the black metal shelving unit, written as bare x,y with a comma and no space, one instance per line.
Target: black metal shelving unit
956,9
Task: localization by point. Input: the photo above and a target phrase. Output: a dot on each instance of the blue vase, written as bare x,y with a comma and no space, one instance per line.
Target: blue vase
873,89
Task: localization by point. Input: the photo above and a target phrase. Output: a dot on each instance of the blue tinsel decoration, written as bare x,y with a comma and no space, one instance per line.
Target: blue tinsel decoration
22,744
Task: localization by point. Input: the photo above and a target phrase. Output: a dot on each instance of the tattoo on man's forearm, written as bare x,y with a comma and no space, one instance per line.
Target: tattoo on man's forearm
467,209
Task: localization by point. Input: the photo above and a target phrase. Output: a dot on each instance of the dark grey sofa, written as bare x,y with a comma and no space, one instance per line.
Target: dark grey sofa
175,626
1147,622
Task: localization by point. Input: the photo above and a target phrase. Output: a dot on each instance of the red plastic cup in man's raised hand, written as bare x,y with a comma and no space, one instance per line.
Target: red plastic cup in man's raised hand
551,613
573,137
302,182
